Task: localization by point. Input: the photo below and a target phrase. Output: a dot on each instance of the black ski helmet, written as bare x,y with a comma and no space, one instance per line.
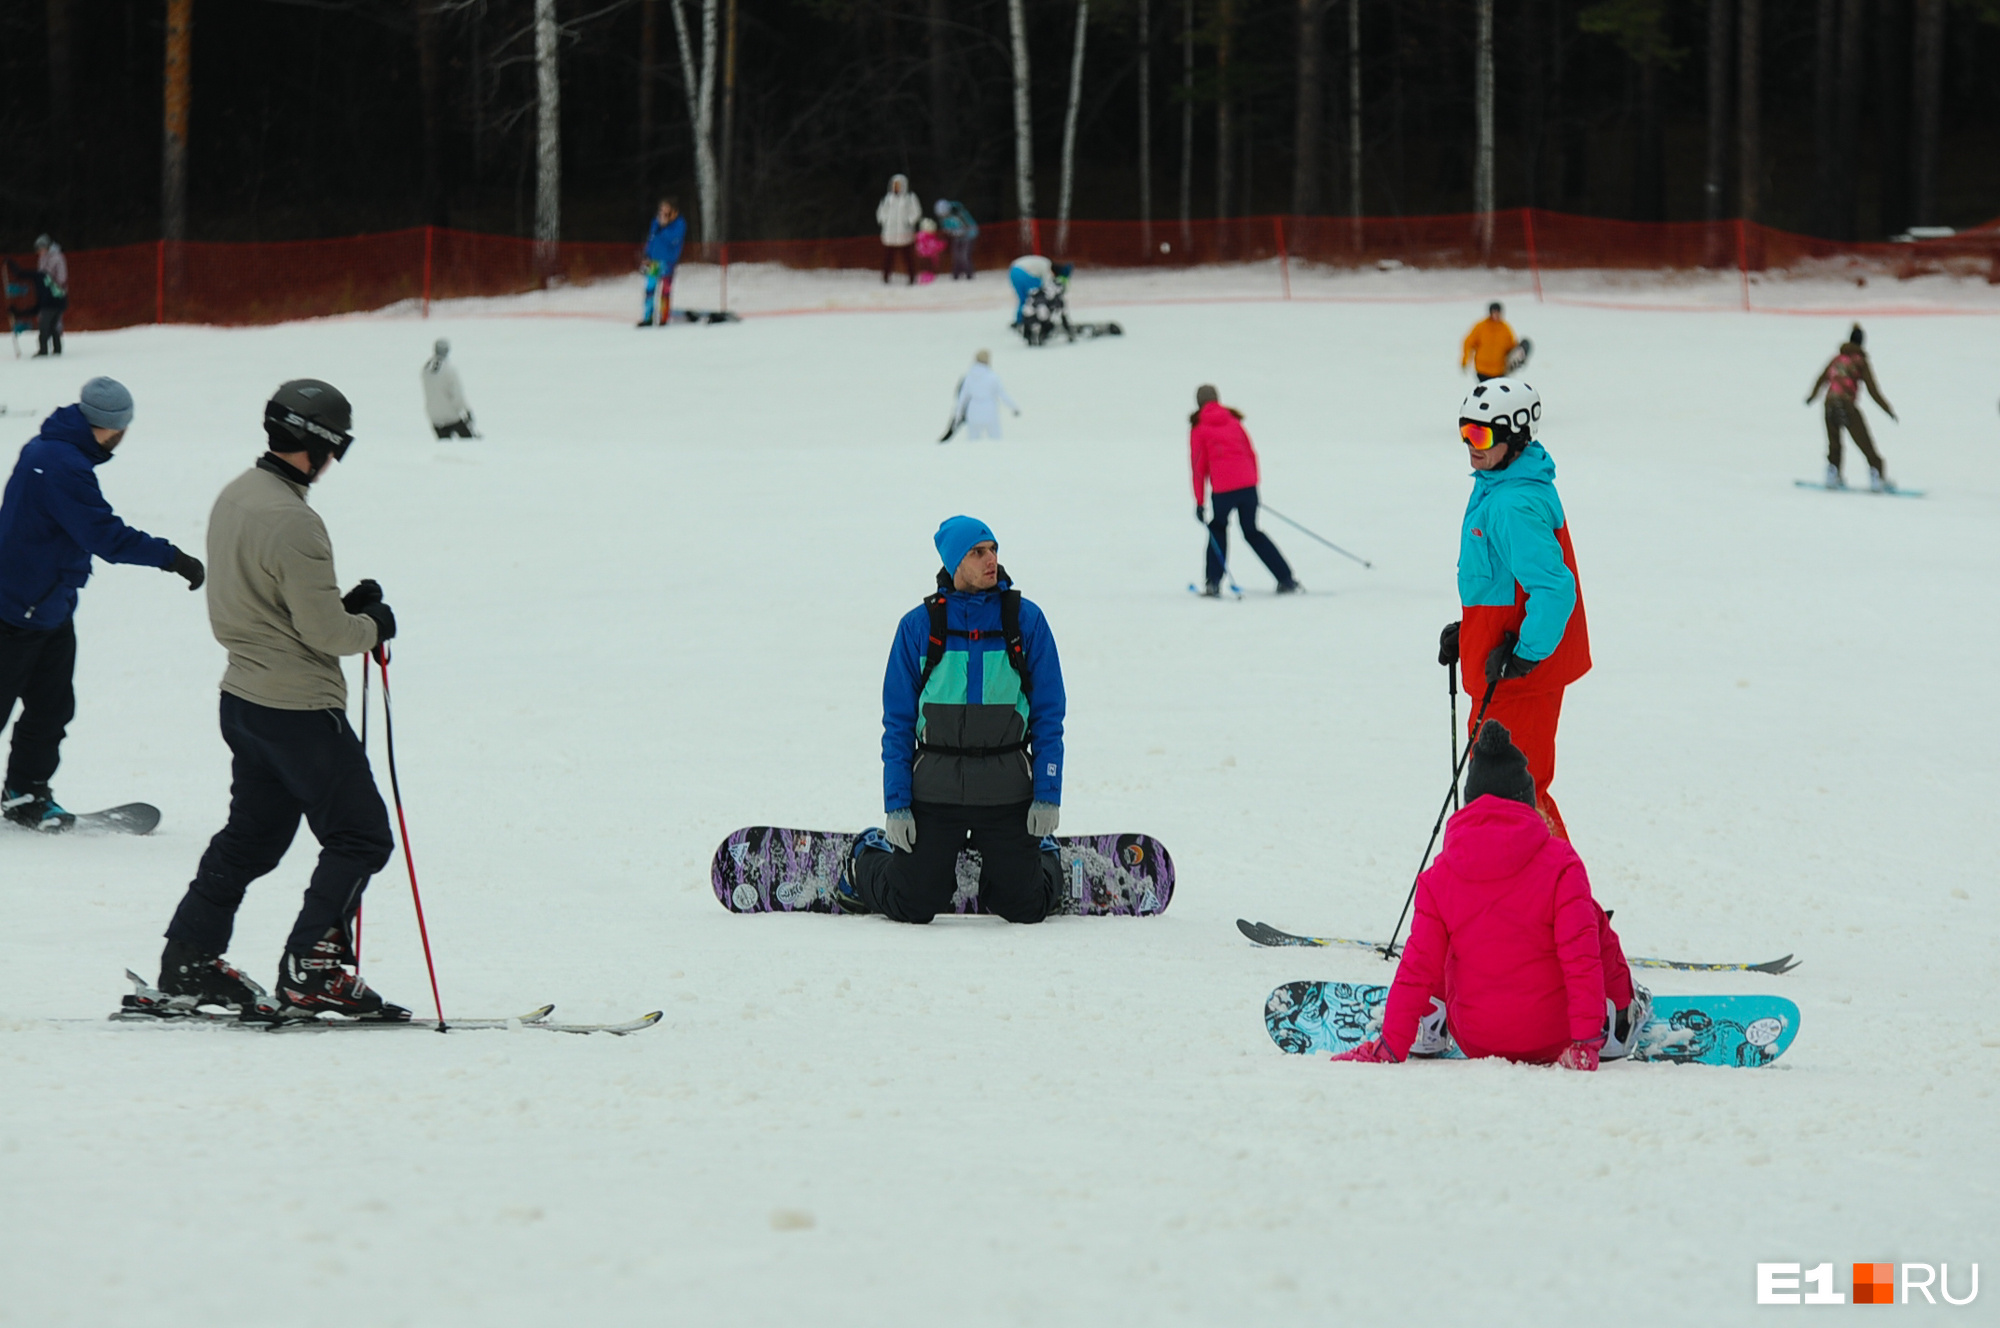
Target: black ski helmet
307,415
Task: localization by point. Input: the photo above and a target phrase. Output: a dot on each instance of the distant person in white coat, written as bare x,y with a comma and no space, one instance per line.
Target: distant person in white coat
444,395
897,214
980,395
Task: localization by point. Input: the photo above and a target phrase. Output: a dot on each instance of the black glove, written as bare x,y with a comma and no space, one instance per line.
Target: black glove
358,599
188,566
1502,662
385,621
1448,644
1201,513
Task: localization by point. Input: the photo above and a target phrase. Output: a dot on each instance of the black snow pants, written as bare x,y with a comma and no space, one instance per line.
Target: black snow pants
38,670
1243,502
1840,412
48,327
288,764
1017,881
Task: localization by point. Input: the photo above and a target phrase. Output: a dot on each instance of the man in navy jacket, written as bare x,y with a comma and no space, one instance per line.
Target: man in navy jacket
972,747
53,519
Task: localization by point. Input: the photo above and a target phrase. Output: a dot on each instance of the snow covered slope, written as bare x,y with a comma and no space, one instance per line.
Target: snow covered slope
654,604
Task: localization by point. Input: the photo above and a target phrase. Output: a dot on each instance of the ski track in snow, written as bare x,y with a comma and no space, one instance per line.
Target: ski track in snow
653,606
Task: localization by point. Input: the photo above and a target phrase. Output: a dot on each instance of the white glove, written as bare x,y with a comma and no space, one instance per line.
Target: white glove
1042,818
901,828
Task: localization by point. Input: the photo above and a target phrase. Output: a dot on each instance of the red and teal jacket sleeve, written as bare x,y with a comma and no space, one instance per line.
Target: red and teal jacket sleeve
1521,529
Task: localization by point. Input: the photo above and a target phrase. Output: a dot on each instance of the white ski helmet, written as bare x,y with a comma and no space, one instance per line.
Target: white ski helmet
1510,406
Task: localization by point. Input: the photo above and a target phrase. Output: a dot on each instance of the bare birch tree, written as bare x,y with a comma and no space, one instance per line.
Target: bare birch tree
1354,116
1712,186
1069,127
1024,139
701,109
548,138
1482,159
1145,128
1749,105
174,135
1310,119
1187,125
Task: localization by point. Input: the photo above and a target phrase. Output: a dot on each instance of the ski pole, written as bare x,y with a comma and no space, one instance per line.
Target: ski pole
364,752
1223,558
1321,538
381,654
1451,685
1457,768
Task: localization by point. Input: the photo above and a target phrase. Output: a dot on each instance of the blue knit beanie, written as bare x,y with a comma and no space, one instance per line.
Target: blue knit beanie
105,403
955,538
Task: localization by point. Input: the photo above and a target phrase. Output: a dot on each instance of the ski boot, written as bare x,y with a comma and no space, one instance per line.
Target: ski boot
1054,879
1622,1027
1213,590
846,897
1433,1036
194,974
1833,480
1291,588
318,981
1878,482
35,807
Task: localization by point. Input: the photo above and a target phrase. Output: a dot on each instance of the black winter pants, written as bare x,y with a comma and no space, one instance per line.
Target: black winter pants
37,669
1243,502
288,764
1014,880
48,328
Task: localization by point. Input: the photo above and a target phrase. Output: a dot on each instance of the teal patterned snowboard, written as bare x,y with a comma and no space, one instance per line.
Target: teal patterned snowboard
1321,1018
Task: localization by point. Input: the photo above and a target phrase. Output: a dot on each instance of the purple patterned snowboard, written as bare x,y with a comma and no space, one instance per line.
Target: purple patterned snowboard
766,869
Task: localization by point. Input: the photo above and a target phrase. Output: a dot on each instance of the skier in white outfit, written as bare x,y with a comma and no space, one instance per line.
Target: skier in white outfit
444,395
979,396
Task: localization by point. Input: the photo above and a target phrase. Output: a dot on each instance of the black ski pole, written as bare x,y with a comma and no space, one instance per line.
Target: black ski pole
1457,768
1451,685
1321,538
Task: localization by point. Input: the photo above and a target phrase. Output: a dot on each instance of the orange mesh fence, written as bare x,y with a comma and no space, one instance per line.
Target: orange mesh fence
236,284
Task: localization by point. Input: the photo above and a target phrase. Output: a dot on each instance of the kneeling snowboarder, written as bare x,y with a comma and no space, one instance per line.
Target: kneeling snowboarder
1508,951
972,736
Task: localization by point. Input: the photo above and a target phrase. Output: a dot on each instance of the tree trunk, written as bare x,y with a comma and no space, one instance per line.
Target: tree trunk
701,109
1847,120
1749,102
1826,161
1024,140
1892,102
1145,128
1187,127
938,62
62,122
649,79
1713,188
1926,77
1400,169
1482,161
1311,118
1069,127
1354,116
174,135
1648,193
548,138
728,166
1224,130
432,205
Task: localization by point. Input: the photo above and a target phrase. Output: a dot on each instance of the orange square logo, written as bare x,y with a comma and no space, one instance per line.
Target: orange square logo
1874,1284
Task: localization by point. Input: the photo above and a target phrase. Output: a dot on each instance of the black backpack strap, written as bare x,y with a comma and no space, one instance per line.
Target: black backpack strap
934,644
1017,651
1010,628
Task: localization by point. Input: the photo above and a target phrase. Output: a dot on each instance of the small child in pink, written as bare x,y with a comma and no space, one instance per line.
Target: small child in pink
930,245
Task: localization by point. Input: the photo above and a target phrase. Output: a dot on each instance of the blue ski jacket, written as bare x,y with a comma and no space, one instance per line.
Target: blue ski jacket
663,243
973,700
53,518
1517,575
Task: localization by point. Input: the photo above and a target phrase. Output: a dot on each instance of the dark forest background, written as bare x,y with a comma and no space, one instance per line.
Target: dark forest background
308,116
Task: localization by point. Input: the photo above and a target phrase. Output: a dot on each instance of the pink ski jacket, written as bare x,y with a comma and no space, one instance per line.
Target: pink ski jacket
1506,931
1220,451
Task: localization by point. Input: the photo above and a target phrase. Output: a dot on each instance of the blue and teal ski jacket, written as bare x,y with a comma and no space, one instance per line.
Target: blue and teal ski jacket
53,519
1517,575
973,700
663,243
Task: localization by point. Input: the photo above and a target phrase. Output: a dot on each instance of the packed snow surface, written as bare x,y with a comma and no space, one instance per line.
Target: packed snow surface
653,605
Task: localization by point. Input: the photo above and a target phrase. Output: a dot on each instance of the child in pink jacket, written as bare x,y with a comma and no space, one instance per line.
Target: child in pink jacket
1507,940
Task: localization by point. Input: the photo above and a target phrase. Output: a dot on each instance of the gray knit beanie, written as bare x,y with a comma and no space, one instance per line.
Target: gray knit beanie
105,403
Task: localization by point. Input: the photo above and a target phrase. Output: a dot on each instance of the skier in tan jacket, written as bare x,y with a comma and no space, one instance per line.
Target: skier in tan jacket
274,605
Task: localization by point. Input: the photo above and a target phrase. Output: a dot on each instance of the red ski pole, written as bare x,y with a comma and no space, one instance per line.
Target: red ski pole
403,830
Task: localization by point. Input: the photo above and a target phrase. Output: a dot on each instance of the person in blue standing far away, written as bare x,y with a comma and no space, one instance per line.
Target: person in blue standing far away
972,747
658,260
53,520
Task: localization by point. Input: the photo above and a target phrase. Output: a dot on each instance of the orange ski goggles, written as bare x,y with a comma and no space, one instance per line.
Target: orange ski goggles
1478,437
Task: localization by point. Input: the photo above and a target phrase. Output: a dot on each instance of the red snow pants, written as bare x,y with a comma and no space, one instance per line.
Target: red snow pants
1530,718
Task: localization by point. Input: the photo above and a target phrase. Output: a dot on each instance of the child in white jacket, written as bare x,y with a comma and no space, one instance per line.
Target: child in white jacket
444,396
979,396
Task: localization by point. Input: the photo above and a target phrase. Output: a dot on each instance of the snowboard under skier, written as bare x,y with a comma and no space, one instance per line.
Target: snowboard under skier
972,747
444,395
980,394
1842,380
1520,640
1224,462
53,521
1490,346
274,605
1509,954
658,258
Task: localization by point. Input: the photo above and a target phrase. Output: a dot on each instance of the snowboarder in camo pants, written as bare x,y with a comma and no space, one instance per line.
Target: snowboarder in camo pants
972,747
1521,635
274,605
1842,380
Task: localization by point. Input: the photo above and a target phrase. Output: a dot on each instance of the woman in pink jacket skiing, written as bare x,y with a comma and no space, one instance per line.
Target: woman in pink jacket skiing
1220,455
1509,954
